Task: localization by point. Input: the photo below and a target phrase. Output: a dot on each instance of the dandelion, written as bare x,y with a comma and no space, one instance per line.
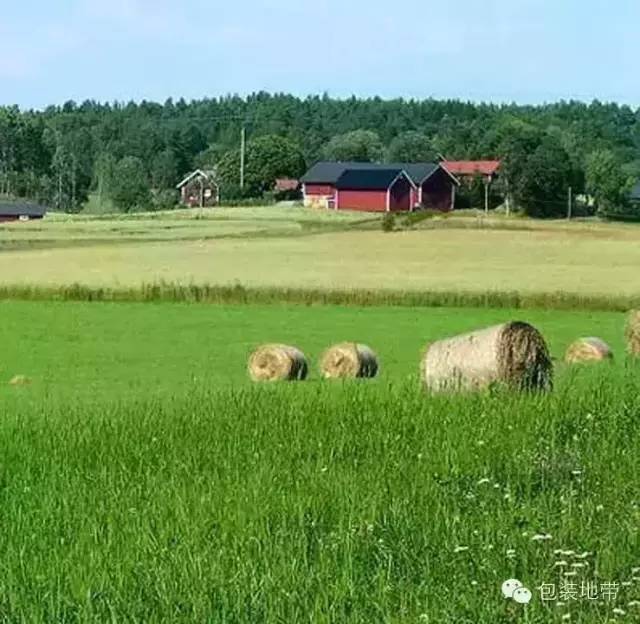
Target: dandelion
474,583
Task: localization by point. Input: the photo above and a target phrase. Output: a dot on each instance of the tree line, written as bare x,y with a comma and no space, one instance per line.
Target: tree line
134,154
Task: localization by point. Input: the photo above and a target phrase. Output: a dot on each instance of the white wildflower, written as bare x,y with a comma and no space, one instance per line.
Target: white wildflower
541,537
460,549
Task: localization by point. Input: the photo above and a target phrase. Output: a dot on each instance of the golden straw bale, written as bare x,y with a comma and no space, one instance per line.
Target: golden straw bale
588,350
633,333
277,362
349,360
512,354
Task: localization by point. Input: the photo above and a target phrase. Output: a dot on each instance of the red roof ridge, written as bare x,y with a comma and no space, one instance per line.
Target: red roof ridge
471,167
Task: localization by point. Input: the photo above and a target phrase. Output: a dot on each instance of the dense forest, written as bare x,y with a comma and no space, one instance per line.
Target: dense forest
134,154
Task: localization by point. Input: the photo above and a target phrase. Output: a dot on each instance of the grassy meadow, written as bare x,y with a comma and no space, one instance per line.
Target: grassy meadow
144,479
296,247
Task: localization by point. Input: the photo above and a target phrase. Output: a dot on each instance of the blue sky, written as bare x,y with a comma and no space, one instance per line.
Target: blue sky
527,51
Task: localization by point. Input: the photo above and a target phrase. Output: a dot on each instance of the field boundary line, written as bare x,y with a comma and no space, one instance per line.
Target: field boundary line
239,294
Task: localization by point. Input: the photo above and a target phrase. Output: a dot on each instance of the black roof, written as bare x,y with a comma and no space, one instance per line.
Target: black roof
19,208
374,179
635,192
329,172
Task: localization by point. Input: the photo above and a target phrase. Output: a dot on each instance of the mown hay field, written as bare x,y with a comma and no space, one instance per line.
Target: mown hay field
144,478
293,247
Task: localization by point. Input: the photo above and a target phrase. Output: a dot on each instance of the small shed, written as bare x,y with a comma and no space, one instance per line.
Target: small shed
199,189
287,188
20,210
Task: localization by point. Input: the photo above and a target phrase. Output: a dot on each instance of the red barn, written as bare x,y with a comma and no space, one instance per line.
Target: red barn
379,187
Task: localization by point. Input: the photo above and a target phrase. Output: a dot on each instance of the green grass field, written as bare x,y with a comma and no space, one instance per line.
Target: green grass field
144,479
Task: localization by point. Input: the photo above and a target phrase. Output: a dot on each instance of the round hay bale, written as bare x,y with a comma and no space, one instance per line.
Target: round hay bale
19,380
513,354
276,362
349,360
588,350
633,333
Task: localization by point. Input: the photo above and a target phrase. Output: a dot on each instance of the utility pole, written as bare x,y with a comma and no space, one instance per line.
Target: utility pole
486,197
243,144
570,204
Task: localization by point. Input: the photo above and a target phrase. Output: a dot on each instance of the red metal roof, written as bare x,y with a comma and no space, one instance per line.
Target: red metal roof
286,184
472,167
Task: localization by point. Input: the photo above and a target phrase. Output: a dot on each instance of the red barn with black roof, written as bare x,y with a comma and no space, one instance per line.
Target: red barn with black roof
379,187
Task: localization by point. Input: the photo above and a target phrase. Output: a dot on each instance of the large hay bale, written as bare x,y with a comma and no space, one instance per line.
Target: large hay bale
633,333
588,350
513,354
349,360
276,362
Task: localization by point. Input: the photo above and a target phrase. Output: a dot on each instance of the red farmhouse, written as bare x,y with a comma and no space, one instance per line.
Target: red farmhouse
487,169
379,188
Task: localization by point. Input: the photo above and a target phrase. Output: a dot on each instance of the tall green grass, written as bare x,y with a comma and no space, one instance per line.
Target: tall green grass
239,294
320,503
